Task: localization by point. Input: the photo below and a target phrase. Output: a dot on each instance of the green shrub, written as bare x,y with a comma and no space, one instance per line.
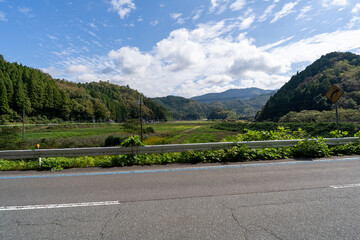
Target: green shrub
132,141
148,130
113,141
315,147
9,137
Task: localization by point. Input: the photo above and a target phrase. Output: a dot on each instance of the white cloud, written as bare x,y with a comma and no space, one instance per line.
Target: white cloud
272,45
88,77
175,15
246,23
123,7
197,14
179,51
266,13
186,63
130,60
356,9
53,71
238,5
334,3
78,69
309,49
303,12
52,37
286,10
219,5
353,22
212,57
154,23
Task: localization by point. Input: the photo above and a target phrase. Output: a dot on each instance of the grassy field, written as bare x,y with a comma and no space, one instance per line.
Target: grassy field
94,135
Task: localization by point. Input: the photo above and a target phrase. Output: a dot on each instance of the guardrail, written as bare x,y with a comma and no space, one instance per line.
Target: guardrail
98,151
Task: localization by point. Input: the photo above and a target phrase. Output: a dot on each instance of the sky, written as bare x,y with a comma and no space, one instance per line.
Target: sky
177,47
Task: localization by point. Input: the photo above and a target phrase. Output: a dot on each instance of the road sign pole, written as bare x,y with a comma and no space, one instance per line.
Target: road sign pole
333,95
337,118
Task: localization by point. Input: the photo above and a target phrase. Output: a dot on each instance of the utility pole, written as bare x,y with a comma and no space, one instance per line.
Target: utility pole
23,124
141,122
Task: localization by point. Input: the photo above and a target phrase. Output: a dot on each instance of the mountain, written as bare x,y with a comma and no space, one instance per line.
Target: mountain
306,90
190,109
183,108
232,95
42,98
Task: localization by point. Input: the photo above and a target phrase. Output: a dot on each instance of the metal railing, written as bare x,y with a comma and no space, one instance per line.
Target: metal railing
98,151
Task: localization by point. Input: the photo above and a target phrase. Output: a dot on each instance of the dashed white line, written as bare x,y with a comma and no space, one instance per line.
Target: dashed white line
51,206
346,186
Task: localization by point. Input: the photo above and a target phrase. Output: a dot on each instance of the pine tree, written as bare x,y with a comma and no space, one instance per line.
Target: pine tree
4,106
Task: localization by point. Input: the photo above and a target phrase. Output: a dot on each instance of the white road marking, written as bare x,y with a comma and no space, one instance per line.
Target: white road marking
66,205
346,186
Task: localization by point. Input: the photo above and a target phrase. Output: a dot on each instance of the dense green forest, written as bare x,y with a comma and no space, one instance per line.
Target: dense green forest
43,98
306,90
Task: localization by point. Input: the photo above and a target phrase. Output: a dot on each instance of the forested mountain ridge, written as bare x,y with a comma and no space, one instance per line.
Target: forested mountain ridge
42,97
189,109
183,108
306,90
232,95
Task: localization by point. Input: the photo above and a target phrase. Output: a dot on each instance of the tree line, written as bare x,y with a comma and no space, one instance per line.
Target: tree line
39,96
306,90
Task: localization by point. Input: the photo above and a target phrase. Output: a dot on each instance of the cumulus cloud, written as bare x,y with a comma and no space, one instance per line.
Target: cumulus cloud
186,63
122,7
286,10
212,57
179,51
130,60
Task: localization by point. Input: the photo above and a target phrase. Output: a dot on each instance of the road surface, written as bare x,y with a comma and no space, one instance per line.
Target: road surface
291,199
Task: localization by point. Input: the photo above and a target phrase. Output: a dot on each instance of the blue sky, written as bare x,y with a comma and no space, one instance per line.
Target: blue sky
172,47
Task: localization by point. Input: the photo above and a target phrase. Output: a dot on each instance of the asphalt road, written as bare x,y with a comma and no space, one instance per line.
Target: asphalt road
261,200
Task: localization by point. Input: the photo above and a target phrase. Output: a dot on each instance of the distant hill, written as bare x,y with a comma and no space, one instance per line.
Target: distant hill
44,98
232,95
306,90
184,109
190,109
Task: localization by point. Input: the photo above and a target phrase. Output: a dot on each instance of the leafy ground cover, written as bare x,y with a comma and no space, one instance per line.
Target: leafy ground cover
314,129
239,153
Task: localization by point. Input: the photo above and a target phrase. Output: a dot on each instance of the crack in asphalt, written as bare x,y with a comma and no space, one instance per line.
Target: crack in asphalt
56,223
107,222
268,231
